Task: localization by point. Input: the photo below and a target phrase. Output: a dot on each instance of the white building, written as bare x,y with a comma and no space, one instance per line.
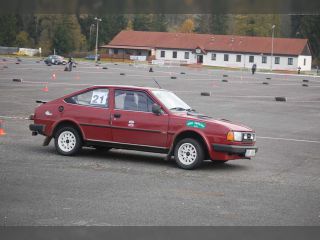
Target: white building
213,50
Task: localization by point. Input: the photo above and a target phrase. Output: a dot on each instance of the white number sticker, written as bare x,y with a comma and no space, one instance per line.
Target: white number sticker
99,98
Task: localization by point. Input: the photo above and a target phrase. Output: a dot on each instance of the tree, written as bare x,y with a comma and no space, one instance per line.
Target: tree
129,25
142,22
62,41
23,39
187,26
255,24
307,26
110,25
159,23
212,23
8,29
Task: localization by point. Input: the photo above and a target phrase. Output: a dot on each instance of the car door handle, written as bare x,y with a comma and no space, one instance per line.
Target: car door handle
117,115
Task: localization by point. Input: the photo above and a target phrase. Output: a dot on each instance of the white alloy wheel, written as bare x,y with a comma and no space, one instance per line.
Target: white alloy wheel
187,153
67,141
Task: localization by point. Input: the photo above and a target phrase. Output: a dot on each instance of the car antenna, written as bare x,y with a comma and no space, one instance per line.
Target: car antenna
157,83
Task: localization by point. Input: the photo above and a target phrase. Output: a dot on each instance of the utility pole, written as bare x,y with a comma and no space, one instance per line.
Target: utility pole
97,35
91,26
273,26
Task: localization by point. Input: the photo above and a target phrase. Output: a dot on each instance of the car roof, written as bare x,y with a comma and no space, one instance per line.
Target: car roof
129,87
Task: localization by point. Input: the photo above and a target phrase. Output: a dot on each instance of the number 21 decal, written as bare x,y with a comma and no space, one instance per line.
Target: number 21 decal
99,98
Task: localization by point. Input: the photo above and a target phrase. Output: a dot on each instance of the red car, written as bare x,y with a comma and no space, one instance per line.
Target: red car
140,118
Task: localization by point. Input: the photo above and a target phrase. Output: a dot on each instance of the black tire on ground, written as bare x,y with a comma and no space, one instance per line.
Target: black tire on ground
205,94
67,141
188,153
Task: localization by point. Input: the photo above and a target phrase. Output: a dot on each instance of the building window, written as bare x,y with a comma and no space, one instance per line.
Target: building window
226,57
186,55
115,51
277,60
174,54
238,58
213,56
162,54
264,59
290,61
251,59
304,61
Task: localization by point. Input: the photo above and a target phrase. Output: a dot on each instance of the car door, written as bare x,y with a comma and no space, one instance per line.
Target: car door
91,111
134,123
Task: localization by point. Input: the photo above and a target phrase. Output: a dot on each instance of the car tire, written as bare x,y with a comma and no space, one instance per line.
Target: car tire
188,153
67,141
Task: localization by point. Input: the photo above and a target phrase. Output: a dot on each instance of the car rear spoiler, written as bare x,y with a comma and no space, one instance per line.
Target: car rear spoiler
41,101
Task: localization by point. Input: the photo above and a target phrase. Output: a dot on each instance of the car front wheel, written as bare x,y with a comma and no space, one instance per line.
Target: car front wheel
67,141
188,153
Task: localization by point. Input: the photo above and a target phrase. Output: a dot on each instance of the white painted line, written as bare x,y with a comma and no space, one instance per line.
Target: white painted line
58,83
15,117
290,139
288,74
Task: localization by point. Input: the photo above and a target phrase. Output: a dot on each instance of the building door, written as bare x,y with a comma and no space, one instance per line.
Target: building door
200,59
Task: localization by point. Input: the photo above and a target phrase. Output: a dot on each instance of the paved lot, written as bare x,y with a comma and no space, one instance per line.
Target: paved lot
281,186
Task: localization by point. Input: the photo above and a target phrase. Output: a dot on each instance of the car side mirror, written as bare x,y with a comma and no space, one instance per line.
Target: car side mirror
156,109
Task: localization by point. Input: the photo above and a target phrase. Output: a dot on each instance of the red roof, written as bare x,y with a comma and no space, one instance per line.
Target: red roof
209,42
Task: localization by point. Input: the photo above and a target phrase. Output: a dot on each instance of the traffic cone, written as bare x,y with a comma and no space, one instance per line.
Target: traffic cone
45,89
53,77
2,132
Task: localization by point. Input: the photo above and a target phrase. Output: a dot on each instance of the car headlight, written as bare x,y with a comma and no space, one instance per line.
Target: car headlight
241,136
234,136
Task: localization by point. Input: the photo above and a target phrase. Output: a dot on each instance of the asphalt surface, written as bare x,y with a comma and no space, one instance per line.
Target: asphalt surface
280,186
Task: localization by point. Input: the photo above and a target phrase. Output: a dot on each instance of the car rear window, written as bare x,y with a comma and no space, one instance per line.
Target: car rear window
94,98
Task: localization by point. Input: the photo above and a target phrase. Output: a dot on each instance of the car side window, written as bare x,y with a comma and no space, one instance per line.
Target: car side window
94,98
133,101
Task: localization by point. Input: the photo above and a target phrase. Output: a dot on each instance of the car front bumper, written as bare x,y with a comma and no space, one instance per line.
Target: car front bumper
234,149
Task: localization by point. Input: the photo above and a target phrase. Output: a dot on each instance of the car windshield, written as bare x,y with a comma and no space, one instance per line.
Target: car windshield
171,101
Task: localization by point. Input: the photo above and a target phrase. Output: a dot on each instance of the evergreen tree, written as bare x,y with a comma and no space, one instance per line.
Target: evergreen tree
8,26
142,22
307,26
159,23
212,23
62,41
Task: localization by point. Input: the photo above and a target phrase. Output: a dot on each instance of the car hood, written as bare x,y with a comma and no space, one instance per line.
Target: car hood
209,120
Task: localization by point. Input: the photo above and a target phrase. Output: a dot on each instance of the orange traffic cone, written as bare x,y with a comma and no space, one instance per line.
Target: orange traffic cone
53,77
2,132
45,89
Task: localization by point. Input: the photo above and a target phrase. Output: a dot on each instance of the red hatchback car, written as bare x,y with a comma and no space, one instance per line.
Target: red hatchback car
140,118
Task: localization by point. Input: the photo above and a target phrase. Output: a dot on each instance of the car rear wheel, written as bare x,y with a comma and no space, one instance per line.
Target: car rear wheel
188,153
67,141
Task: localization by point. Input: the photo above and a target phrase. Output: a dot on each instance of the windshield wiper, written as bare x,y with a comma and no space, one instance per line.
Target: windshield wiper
178,109
191,110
